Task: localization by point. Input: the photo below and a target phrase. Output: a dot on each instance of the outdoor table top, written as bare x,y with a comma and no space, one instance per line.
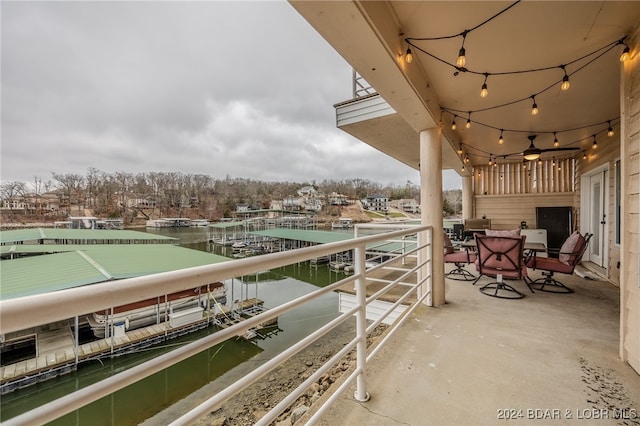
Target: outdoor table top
536,247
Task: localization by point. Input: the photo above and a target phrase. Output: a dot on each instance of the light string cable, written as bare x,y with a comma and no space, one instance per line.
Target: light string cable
598,54
472,151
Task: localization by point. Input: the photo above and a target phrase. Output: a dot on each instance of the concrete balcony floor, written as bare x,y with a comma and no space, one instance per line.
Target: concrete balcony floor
479,360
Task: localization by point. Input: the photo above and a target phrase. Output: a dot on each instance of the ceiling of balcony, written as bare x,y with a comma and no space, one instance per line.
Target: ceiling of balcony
372,37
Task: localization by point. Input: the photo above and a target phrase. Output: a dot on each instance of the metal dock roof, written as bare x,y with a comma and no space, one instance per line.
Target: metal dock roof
92,264
53,234
311,236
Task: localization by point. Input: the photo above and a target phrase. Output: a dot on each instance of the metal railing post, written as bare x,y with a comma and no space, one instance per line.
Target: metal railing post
361,393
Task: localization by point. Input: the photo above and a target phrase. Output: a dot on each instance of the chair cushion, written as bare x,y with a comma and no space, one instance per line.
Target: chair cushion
448,246
501,256
460,257
502,232
570,247
549,264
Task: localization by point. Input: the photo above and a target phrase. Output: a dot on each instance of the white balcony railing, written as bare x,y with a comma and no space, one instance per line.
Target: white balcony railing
407,250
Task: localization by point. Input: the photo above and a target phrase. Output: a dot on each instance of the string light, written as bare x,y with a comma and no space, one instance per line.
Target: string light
625,53
595,143
610,130
534,107
408,56
461,61
468,121
501,139
490,160
484,92
553,162
453,123
565,80
555,141
466,158
460,149
584,155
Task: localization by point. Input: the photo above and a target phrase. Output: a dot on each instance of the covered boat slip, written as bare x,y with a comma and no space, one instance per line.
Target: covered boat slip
51,349
79,236
90,264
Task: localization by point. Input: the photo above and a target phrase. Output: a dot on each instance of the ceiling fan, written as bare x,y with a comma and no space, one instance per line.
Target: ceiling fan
533,152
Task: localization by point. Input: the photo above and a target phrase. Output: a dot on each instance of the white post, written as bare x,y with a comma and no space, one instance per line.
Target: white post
467,198
431,210
361,393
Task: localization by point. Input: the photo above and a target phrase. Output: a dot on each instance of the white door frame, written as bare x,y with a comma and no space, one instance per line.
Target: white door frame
587,222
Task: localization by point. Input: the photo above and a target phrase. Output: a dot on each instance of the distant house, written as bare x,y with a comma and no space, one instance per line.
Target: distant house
409,206
313,204
307,191
376,203
336,199
293,203
242,207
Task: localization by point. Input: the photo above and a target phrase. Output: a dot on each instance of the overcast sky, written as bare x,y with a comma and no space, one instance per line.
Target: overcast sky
244,89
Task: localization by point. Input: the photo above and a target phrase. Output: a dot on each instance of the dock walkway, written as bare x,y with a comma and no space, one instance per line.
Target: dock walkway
57,353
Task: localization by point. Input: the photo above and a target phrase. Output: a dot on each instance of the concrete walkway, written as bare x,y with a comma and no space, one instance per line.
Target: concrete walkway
478,360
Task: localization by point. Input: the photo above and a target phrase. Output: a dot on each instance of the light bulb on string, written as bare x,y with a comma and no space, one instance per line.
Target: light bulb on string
501,139
484,91
490,160
460,149
468,121
584,155
625,53
595,143
610,132
408,57
565,80
534,107
453,123
462,60
555,141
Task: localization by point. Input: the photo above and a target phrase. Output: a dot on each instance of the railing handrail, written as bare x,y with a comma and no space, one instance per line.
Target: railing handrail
30,311
186,279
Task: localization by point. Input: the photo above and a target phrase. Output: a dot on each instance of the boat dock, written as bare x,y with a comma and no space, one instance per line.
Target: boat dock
56,352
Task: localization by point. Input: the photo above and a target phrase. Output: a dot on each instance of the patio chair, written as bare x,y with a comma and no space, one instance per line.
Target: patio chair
501,258
569,255
459,258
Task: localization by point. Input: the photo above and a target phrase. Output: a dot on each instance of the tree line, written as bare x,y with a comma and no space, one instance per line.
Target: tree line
173,194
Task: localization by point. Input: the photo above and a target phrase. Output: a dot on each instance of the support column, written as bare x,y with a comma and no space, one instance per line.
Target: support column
431,207
467,198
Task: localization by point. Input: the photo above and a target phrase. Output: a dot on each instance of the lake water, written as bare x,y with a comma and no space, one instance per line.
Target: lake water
143,399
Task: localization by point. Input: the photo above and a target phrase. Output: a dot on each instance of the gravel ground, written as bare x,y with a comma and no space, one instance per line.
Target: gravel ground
251,404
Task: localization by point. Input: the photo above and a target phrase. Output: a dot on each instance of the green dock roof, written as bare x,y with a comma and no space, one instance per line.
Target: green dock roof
91,264
53,234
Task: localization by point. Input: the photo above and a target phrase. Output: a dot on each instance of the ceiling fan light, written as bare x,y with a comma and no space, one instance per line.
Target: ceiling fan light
531,156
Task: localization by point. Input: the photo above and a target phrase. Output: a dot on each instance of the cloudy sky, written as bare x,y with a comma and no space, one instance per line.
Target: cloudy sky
244,89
